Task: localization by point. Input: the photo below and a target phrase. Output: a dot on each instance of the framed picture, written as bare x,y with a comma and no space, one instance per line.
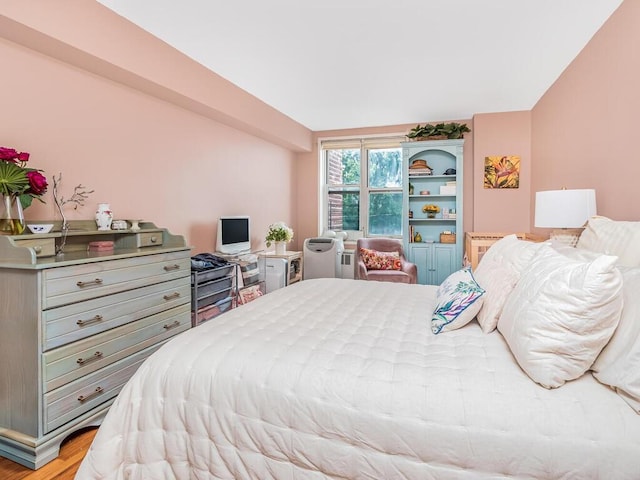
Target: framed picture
502,171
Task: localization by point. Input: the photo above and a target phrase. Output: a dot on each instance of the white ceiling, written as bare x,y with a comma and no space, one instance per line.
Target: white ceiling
335,64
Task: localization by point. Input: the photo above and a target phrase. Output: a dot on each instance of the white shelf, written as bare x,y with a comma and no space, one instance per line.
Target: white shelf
413,197
440,177
413,220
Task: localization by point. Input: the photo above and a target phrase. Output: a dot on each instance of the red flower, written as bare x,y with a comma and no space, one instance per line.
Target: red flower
37,182
9,154
17,179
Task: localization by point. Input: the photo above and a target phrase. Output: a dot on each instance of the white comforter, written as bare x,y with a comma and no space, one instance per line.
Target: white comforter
343,379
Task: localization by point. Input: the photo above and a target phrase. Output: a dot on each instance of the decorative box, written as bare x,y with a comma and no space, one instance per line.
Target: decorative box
447,238
104,246
448,190
119,225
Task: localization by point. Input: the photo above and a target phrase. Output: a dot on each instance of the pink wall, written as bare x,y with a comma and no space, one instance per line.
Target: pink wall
152,156
163,139
94,38
584,128
501,210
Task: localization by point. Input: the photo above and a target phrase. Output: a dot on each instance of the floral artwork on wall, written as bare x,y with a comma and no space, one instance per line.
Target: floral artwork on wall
502,171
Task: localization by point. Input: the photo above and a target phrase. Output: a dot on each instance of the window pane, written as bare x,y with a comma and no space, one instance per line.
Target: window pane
344,210
343,166
385,168
385,213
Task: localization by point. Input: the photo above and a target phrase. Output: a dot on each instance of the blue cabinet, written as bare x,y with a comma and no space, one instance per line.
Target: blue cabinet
433,176
435,261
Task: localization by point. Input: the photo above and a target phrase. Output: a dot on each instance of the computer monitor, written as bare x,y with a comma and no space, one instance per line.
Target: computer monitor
234,235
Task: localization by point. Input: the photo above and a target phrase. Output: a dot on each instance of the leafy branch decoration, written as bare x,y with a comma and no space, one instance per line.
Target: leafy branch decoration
77,199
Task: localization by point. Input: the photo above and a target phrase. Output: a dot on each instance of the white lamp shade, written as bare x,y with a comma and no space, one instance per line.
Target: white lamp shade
564,208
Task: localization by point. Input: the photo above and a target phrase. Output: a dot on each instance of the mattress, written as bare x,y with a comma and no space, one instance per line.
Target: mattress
343,379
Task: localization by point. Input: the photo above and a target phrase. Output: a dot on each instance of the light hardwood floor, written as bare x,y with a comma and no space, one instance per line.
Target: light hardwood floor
72,451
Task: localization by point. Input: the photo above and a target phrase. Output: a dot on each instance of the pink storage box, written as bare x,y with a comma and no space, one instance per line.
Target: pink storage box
104,246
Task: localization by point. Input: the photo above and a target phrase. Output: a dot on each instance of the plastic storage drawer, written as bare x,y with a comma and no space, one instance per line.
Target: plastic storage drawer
205,289
212,311
211,274
216,297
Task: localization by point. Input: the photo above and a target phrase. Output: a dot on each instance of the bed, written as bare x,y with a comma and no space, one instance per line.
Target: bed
344,379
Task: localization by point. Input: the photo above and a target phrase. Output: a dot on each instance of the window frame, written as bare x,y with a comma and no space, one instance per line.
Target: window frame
365,144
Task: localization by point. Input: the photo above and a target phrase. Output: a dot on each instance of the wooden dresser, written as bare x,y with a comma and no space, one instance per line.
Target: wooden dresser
75,327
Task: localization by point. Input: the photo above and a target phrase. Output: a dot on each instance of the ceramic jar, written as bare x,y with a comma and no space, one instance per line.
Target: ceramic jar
104,216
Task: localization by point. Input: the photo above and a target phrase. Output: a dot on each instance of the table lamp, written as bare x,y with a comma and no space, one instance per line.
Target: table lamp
566,211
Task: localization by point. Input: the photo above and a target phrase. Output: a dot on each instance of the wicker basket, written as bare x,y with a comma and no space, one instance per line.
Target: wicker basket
447,238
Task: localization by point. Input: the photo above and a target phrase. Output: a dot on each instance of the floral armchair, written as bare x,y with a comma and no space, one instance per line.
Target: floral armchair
383,259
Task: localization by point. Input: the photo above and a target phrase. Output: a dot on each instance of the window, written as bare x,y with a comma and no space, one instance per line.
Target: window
362,185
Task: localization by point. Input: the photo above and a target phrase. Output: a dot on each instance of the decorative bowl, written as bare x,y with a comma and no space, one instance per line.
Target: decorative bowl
40,228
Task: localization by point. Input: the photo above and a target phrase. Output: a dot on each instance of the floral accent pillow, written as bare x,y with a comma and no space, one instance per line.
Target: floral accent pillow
375,260
459,299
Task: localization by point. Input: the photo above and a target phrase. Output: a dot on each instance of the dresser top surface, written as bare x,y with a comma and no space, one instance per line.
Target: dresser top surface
20,251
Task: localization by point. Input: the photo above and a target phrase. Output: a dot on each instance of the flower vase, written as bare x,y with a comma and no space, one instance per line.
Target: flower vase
104,216
431,215
11,215
281,248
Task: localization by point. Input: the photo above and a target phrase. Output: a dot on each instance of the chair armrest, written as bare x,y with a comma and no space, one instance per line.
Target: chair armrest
410,269
361,271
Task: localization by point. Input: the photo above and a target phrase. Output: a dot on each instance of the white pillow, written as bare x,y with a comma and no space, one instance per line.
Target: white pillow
561,314
498,272
613,237
619,363
458,300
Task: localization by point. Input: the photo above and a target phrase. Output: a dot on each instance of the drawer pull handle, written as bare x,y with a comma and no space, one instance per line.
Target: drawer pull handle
172,296
153,239
96,356
97,281
97,318
172,325
97,391
175,266
37,249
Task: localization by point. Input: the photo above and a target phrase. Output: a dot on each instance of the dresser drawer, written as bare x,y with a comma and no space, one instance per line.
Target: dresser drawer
65,285
72,361
148,239
44,247
73,322
74,399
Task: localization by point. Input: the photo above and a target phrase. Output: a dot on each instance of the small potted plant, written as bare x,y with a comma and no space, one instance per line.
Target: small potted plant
280,234
431,210
440,131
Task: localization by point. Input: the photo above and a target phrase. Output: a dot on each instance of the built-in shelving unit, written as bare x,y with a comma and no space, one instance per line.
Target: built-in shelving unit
434,256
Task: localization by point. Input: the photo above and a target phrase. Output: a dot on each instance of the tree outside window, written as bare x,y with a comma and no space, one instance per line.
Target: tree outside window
378,180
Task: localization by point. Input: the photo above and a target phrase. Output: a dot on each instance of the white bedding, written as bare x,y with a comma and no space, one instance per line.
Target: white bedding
335,378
